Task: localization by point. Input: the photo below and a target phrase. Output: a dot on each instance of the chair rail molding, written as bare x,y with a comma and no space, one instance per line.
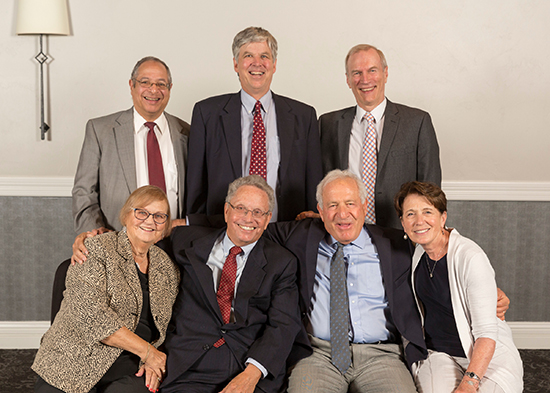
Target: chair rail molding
27,334
455,190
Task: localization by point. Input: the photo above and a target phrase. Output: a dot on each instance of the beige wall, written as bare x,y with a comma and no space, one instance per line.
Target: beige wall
481,68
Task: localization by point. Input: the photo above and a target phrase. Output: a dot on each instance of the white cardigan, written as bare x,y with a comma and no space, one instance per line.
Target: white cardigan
474,297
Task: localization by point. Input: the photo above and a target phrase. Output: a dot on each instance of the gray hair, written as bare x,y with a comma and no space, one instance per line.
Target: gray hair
254,181
366,47
254,34
338,174
146,59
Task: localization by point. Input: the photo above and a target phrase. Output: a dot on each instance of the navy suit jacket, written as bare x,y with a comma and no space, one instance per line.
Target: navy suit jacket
303,237
215,155
408,151
265,307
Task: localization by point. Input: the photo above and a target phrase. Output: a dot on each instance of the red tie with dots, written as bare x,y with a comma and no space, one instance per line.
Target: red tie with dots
226,288
258,162
154,159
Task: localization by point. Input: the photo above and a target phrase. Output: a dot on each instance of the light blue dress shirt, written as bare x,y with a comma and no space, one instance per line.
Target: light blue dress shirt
368,304
273,149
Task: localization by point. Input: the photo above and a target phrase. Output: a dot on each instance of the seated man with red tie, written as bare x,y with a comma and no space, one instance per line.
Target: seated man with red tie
129,149
236,316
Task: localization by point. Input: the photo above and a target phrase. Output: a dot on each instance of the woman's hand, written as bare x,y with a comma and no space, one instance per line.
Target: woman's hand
466,387
152,379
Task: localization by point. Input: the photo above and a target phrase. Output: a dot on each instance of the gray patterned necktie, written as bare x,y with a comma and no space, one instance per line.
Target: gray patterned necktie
339,312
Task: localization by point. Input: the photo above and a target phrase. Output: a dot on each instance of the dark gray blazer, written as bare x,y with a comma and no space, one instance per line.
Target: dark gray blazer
106,173
408,151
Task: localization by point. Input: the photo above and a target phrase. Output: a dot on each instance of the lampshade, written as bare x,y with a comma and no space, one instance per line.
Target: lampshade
43,17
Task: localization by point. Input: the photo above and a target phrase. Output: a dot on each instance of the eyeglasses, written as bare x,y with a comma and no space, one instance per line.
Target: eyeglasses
147,84
142,215
243,211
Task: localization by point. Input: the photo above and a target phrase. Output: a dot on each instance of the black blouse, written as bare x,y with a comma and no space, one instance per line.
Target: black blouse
434,293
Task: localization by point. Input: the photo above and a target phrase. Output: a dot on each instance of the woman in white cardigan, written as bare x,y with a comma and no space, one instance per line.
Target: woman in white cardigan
470,349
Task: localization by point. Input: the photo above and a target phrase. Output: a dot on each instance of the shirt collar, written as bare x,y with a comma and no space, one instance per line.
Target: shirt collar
249,102
361,242
139,122
377,112
228,244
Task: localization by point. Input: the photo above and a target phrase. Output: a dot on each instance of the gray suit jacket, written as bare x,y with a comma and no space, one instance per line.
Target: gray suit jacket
408,151
106,173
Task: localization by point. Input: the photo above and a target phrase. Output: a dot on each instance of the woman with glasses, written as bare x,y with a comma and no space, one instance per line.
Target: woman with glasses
116,308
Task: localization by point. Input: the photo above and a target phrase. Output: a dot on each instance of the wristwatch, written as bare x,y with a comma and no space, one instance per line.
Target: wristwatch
471,374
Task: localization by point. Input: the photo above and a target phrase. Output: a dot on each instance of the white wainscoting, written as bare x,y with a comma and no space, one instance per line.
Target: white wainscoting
23,335
455,190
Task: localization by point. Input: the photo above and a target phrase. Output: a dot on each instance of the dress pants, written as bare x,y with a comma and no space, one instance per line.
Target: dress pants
375,368
210,374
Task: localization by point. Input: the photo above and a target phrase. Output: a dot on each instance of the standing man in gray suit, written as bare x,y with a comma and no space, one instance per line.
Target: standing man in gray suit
126,150
406,147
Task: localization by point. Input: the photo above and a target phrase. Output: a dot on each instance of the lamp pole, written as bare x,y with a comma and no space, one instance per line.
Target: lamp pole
41,57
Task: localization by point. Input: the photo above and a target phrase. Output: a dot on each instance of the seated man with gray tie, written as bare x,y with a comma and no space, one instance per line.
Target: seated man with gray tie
126,150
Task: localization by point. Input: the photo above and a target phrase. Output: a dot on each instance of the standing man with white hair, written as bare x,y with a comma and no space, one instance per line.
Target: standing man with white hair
254,131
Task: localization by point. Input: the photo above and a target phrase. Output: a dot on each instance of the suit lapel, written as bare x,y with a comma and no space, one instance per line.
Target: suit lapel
383,246
231,121
285,131
251,279
128,266
391,123
308,269
124,140
198,256
345,123
176,135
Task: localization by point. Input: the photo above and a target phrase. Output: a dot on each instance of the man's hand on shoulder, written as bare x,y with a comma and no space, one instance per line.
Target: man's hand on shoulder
80,253
503,303
178,222
245,382
307,214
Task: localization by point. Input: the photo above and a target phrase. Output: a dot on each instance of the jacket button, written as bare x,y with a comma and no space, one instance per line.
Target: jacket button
224,331
206,347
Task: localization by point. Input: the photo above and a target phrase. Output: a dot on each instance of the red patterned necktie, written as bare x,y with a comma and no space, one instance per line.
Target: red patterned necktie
368,165
154,158
258,162
226,288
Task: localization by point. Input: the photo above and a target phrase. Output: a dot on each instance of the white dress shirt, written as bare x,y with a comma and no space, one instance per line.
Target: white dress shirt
162,131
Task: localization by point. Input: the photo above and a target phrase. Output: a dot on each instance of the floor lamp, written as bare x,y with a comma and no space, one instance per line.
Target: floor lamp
42,17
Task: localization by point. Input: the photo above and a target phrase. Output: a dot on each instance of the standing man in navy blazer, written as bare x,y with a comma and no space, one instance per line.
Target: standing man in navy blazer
221,136
244,349
113,161
406,141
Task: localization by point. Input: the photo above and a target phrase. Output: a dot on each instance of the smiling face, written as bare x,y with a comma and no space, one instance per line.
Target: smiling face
243,230
342,210
255,67
367,77
422,222
143,234
150,102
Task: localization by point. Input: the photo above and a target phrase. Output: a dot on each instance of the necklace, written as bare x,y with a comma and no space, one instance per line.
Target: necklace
438,257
